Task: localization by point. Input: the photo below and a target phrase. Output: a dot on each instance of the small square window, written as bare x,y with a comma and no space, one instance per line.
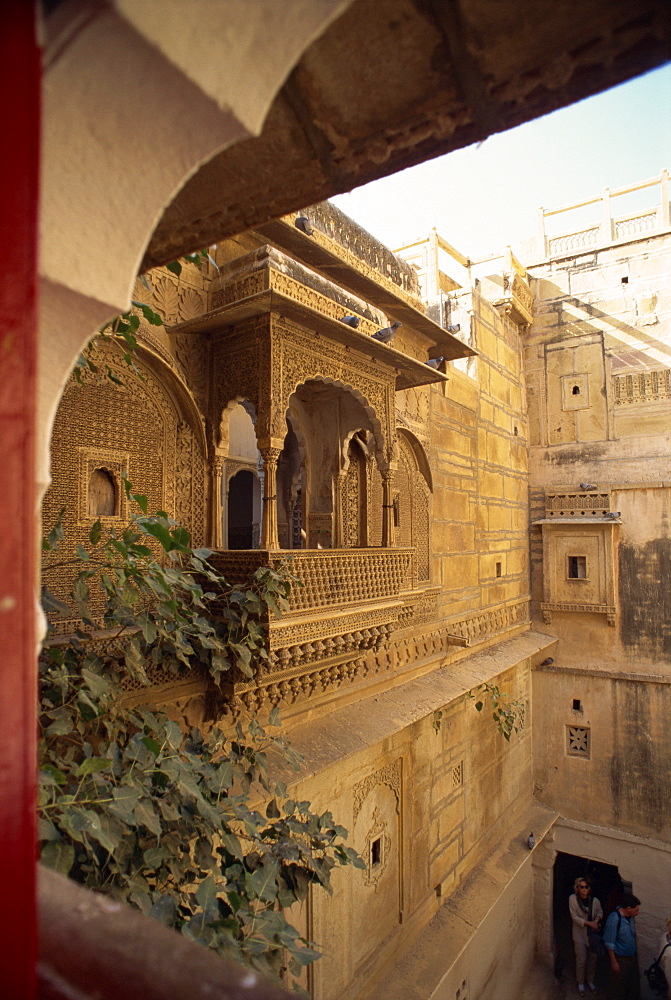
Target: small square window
576,567
577,706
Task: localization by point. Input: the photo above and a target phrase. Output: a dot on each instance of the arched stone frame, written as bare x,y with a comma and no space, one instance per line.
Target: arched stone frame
412,490
352,493
328,527
222,469
292,491
145,429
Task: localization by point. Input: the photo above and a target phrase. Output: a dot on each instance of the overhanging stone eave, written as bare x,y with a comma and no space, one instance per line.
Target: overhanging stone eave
409,371
326,256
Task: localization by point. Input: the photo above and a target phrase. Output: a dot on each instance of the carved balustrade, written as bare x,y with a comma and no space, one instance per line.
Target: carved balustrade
349,604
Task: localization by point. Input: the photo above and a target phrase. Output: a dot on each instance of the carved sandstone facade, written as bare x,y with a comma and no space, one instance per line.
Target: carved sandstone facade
399,494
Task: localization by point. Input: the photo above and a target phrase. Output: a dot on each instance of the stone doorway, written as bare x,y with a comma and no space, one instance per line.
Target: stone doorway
607,886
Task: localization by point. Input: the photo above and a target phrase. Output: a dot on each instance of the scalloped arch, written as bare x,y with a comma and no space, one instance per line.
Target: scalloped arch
369,410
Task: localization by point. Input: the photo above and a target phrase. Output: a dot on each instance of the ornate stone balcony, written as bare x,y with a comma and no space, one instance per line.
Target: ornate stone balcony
350,603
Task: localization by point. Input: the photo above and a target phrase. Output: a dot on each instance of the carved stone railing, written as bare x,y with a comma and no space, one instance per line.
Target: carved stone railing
641,387
632,225
576,504
350,603
558,246
610,228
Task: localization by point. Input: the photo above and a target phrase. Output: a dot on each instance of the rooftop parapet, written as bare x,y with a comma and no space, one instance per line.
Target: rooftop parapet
607,227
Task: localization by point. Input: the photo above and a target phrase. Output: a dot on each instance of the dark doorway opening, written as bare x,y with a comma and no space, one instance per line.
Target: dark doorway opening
241,510
607,887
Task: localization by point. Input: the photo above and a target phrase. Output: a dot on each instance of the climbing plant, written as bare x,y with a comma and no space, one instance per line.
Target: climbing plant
507,714
190,827
121,330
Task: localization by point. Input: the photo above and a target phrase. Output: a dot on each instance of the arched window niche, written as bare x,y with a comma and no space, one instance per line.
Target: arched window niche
103,494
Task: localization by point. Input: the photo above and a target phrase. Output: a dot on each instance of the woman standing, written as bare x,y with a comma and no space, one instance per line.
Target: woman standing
586,913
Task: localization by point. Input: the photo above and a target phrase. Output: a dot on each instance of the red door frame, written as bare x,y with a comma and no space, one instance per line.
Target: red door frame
20,125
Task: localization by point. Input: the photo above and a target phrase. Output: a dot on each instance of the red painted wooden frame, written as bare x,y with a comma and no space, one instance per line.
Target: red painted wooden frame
19,127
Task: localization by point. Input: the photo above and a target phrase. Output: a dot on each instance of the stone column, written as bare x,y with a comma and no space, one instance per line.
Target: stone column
339,528
269,537
215,540
387,511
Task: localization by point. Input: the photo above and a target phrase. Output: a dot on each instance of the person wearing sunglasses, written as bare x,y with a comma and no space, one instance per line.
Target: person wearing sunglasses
586,914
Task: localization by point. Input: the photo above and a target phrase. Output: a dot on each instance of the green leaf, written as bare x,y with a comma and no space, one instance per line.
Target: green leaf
142,501
232,844
175,267
164,910
160,532
147,816
206,893
50,775
153,318
58,855
95,532
151,745
52,603
92,765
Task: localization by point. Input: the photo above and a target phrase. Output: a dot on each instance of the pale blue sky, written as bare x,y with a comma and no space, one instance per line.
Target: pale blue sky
484,197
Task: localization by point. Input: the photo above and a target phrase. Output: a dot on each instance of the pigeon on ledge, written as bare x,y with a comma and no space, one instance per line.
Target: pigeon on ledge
587,486
387,334
531,841
435,362
303,223
455,328
350,320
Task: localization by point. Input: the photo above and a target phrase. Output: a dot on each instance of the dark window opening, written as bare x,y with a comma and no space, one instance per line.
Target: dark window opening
624,281
376,851
498,569
576,705
397,512
576,390
102,494
241,510
577,567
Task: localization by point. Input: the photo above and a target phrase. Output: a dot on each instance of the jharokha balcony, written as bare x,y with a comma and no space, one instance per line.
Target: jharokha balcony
350,602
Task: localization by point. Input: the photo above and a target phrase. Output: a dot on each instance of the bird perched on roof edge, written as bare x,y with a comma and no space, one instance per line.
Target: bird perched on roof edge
387,334
587,486
531,841
351,320
303,223
434,362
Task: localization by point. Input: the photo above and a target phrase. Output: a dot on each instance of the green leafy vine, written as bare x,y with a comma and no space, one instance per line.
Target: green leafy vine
190,827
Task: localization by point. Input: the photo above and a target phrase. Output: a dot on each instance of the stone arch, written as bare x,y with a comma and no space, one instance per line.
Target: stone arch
376,425
418,453
411,497
222,437
174,87
139,430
